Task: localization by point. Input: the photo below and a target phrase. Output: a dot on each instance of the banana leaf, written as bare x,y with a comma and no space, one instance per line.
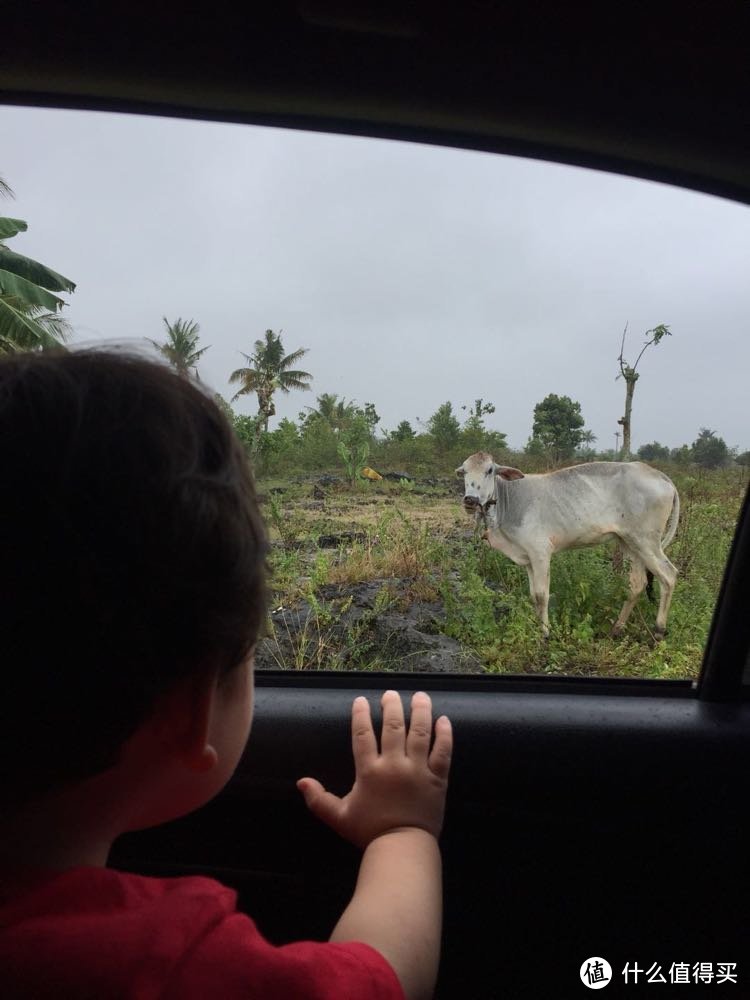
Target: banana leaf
33,271
11,227
16,287
22,332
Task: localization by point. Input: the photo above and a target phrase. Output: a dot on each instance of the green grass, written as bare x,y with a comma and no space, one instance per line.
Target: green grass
422,538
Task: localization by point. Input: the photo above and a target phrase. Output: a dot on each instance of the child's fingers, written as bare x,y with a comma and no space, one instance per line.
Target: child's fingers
322,804
394,730
420,726
364,744
442,748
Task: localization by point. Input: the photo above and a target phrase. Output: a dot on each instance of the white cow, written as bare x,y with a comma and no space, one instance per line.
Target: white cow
529,518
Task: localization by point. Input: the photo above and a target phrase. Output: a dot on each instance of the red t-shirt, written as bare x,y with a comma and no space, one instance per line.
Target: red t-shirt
97,934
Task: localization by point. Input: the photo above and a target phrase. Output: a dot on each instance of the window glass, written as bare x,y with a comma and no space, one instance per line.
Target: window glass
373,314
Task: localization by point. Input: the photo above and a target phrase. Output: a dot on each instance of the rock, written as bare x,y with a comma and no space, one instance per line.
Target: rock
398,476
328,480
363,595
412,650
290,544
344,538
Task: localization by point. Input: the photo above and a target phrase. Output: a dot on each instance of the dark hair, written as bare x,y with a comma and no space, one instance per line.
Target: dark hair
132,555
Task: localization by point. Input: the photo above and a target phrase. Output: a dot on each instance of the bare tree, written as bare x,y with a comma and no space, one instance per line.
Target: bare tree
631,376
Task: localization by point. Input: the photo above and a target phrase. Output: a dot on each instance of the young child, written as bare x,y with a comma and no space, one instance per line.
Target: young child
132,567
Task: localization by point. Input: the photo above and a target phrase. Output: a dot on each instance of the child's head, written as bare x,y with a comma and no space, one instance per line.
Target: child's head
132,556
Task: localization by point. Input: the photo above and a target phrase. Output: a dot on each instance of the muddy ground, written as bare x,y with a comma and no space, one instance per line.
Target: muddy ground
395,637
369,624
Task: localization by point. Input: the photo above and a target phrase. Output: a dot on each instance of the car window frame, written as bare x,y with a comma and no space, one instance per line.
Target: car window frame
725,669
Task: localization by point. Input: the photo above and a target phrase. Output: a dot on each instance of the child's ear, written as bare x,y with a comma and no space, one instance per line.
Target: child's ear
183,721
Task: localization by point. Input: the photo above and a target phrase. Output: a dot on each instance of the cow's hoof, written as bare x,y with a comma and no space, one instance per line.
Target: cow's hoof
617,631
659,634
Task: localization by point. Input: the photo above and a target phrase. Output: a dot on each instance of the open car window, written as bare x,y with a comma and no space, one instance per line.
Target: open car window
374,314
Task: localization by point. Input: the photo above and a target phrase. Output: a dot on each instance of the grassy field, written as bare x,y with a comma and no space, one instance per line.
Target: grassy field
417,542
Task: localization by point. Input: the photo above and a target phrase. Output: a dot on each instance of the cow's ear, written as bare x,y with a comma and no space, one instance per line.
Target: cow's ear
508,472
459,472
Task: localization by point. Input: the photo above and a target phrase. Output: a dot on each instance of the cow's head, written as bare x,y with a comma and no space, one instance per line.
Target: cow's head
478,472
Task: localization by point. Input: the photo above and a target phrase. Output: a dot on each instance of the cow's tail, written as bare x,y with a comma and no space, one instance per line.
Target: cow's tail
673,519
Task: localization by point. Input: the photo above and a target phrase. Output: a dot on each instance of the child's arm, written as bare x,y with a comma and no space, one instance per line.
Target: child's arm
395,812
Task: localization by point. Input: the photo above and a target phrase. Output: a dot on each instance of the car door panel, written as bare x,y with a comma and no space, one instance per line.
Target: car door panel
577,825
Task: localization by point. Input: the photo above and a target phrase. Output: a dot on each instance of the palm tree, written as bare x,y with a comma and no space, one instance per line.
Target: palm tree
334,411
180,349
29,317
269,369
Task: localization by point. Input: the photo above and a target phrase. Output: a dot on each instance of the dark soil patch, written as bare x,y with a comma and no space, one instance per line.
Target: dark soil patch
353,626
342,538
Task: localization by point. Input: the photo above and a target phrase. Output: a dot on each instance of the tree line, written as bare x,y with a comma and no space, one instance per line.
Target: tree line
336,430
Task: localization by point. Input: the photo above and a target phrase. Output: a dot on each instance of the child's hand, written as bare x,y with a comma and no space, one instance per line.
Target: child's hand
402,785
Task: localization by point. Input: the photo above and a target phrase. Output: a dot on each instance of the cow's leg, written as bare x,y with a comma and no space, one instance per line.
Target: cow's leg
637,584
666,573
538,570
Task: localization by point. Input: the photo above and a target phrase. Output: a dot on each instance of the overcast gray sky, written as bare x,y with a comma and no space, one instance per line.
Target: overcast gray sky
413,274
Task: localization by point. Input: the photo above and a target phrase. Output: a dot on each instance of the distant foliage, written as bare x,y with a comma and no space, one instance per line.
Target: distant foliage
181,346
246,428
286,435
709,450
224,406
654,452
358,434
682,455
444,427
340,414
495,442
404,432
558,428
333,411
370,415
475,436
